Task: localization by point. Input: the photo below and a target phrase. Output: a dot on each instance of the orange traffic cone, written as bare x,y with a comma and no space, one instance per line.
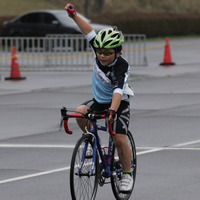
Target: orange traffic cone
167,54
15,71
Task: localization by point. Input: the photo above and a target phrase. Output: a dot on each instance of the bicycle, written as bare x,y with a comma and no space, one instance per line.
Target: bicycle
92,164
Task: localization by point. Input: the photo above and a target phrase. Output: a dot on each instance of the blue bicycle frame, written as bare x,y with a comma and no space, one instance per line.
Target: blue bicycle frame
96,141
97,147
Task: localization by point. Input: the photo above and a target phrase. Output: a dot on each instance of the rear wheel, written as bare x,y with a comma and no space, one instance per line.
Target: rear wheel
116,166
83,180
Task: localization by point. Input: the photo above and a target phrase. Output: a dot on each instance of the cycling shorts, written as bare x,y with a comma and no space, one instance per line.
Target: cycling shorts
121,124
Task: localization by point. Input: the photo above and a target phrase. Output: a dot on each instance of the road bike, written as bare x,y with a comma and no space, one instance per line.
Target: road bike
93,164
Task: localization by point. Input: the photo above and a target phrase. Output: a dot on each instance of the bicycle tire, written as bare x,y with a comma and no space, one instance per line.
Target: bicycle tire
115,178
82,185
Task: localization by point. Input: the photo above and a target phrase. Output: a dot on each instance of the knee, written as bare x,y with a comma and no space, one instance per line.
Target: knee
82,109
81,121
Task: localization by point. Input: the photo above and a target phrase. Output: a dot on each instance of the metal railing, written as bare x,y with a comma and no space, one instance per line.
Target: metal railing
67,52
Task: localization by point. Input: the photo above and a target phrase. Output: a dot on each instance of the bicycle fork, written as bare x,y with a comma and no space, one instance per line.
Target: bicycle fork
86,155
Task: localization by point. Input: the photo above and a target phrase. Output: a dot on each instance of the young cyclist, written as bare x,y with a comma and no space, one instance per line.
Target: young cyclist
110,88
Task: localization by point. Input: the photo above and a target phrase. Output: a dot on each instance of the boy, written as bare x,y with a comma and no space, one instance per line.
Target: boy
110,88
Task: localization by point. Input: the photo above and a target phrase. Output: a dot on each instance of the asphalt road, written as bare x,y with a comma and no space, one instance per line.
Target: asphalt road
35,156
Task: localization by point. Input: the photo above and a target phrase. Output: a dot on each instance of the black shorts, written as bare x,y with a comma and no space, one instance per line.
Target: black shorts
123,114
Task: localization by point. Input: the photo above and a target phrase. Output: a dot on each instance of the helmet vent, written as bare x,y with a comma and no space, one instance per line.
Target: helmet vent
106,43
115,43
103,36
116,35
97,43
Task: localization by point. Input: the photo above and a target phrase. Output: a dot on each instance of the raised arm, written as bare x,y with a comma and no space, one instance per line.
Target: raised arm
82,24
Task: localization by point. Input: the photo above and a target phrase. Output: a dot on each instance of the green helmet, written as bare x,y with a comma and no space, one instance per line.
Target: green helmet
108,38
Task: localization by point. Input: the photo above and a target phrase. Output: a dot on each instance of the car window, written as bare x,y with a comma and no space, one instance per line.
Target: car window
65,19
33,18
48,18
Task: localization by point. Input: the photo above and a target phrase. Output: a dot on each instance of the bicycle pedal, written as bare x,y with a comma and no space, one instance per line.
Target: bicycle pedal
88,156
125,192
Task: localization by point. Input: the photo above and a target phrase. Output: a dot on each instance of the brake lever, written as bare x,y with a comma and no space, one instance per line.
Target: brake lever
63,114
61,123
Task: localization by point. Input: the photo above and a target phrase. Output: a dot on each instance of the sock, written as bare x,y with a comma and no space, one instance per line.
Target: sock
127,172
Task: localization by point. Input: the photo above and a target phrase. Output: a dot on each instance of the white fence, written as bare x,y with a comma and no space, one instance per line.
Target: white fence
67,52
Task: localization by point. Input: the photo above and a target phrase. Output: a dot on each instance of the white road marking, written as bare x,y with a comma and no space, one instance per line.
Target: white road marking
149,150
35,146
34,175
155,149
187,143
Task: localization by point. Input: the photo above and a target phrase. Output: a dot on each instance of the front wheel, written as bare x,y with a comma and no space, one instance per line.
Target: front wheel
117,169
83,180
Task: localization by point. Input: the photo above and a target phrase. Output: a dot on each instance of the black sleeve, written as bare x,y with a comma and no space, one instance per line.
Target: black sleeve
120,71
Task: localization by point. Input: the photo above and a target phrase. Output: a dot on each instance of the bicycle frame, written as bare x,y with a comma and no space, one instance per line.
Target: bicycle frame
96,140
97,147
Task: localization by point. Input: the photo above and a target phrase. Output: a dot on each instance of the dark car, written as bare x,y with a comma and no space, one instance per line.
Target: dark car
43,22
